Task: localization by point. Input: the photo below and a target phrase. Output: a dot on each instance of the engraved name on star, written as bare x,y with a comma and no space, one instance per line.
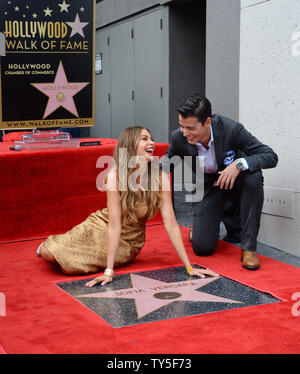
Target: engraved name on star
60,92
151,294
64,7
77,26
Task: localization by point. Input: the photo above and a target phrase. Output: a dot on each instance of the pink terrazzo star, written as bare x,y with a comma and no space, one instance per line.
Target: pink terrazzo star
77,26
151,294
60,92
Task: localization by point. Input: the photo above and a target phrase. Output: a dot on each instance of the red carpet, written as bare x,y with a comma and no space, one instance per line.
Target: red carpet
2,351
41,318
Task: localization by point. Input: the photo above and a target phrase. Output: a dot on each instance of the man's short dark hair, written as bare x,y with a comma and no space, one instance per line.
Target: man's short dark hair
196,106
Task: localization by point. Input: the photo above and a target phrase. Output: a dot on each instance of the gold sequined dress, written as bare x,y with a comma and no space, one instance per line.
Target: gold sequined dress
83,249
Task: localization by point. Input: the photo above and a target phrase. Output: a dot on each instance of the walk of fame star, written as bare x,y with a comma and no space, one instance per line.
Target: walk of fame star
60,92
151,294
162,294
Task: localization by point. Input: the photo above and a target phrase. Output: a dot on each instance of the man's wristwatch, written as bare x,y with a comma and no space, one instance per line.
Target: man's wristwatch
239,164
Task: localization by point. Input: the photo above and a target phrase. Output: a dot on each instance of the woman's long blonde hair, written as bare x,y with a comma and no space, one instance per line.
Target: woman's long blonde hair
129,139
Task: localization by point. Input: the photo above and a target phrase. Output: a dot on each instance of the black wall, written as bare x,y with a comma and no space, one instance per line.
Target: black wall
187,38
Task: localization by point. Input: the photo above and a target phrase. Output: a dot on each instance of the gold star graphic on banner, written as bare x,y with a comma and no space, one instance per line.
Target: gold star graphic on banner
47,12
64,6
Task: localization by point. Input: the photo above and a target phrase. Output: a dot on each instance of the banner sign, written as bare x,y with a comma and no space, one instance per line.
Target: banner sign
47,63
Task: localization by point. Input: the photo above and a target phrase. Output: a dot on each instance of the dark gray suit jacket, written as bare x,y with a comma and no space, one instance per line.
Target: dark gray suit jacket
228,135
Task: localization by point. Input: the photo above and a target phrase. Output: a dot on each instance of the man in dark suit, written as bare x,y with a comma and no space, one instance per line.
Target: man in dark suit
233,159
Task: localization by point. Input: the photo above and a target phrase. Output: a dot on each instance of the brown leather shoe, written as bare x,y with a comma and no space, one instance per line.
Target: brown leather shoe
190,233
249,260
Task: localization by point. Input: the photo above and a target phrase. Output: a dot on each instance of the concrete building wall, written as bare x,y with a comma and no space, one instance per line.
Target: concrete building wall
109,11
222,56
183,55
269,108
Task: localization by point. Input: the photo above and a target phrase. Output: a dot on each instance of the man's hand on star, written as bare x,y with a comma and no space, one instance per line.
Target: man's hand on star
228,176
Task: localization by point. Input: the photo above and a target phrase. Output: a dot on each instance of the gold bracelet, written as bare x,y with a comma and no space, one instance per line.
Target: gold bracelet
109,272
189,269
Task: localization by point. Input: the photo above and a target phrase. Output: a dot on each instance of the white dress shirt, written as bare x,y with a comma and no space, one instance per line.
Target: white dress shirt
210,161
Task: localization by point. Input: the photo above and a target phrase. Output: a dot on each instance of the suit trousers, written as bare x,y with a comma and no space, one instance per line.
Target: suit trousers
209,212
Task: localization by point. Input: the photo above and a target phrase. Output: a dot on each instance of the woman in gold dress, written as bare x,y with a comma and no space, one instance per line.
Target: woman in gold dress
136,190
